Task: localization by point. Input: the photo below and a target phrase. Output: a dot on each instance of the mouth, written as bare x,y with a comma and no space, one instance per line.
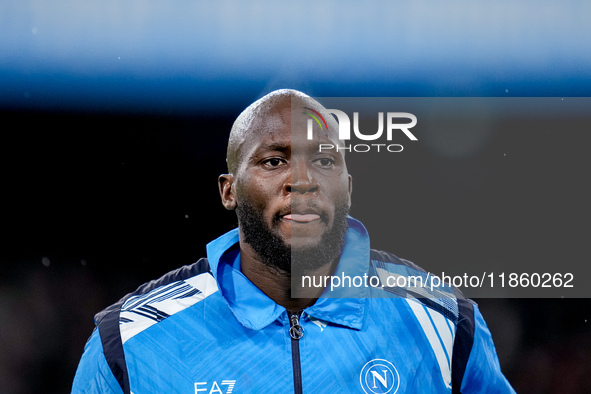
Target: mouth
300,213
301,217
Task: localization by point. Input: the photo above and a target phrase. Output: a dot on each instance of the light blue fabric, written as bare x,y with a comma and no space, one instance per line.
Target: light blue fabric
488,380
93,374
237,341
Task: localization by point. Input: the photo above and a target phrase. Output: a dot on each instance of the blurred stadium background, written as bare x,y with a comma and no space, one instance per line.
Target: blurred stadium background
116,115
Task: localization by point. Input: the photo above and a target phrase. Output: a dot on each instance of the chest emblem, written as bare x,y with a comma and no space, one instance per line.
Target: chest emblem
379,376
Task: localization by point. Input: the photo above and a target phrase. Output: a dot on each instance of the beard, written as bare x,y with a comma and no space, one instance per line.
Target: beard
276,254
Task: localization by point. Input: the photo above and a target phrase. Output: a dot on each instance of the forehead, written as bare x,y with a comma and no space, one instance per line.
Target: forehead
287,127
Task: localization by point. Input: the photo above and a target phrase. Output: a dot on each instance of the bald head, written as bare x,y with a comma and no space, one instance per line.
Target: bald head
255,119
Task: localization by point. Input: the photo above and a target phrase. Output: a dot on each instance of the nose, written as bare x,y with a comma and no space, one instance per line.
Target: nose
301,180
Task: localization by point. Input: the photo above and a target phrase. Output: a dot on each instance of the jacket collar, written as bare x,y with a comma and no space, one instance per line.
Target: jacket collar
253,309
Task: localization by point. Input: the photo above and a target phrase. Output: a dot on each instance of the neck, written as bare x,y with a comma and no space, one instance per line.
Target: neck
277,284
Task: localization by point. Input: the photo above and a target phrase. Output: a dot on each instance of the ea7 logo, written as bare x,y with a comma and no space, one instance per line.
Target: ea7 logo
379,377
204,387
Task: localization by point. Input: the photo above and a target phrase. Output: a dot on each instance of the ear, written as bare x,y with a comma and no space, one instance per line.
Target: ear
350,188
226,187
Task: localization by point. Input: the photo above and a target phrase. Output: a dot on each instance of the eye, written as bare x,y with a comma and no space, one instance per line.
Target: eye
325,162
274,162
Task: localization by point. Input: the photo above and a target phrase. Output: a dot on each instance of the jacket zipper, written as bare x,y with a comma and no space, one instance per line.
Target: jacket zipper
296,332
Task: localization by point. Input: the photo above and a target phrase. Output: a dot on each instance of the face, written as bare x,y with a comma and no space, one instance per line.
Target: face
290,198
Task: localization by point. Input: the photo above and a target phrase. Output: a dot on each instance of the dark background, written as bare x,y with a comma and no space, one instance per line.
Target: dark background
116,115
97,204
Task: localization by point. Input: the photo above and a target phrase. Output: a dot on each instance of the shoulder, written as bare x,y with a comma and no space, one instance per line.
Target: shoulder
422,286
150,304
430,301
171,280
474,362
386,257
405,279
157,300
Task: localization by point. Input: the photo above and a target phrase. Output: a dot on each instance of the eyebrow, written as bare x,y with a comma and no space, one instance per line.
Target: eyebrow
278,147
275,146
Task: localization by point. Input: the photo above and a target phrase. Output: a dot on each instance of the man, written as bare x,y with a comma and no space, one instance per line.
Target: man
245,320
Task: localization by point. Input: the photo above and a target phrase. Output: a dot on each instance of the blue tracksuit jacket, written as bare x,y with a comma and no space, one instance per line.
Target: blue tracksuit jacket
205,328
